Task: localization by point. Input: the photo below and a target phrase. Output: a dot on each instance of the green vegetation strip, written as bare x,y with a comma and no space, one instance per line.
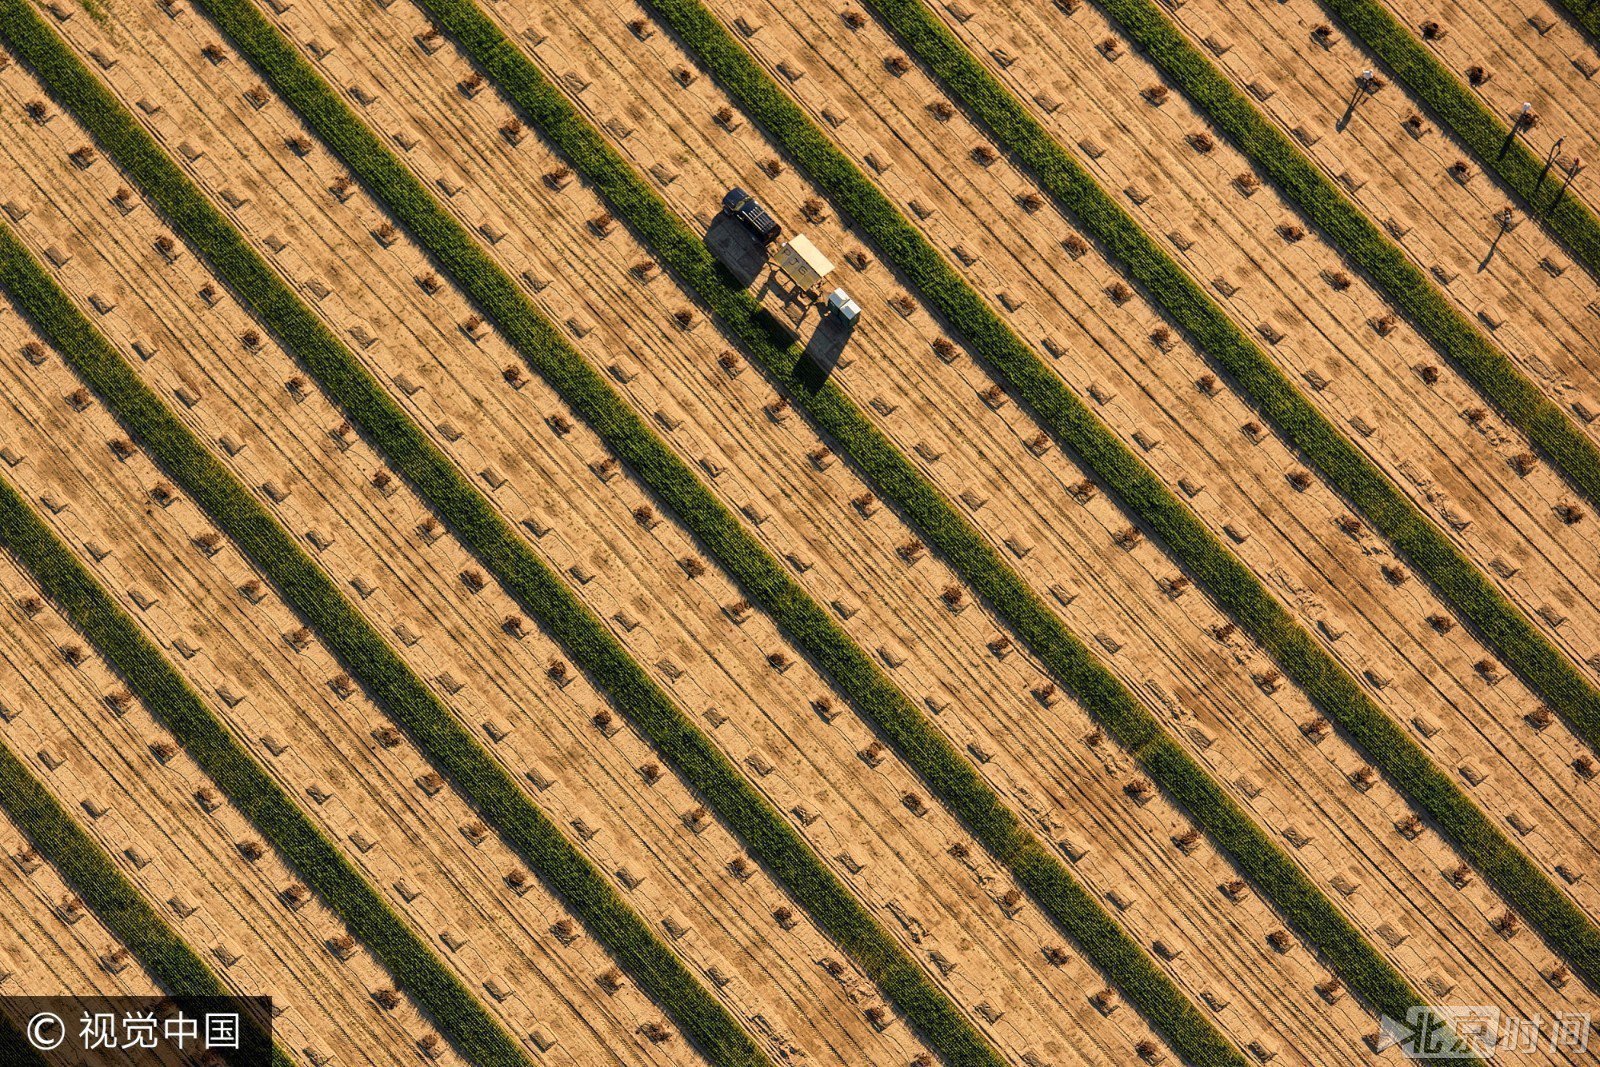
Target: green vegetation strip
1586,16
1235,586
1484,132
82,863
1495,375
168,696
947,772
535,586
1239,590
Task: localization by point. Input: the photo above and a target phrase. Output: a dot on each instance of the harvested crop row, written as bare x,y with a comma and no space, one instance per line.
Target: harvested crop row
477,137
572,627
363,525
134,793
1146,148
1516,280
310,727
693,154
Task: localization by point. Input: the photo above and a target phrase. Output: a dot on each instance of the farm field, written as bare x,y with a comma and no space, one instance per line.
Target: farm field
497,704
370,791
1378,677
842,838
366,792
1289,728
1024,801
1168,941
1534,55
1472,475
50,945
190,869
1266,280
1015,676
1308,586
605,771
1538,304
1540,56
444,629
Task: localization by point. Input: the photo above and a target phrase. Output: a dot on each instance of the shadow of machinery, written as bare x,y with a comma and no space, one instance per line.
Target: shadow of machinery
744,260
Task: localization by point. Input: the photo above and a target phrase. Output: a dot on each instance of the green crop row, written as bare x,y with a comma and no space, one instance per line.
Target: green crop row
168,696
764,579
946,770
1488,135
1235,586
1490,370
534,585
1586,14
82,863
